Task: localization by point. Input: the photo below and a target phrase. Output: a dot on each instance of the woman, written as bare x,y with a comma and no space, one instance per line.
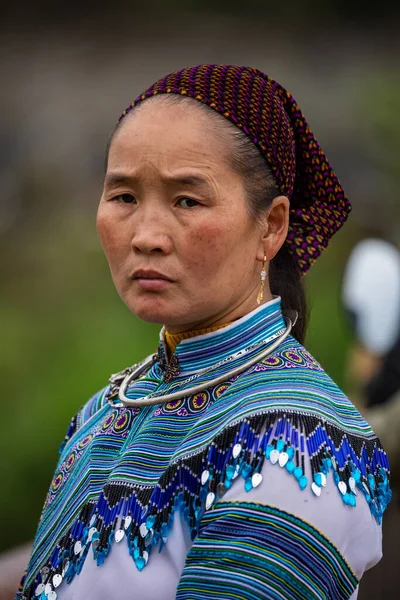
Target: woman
209,470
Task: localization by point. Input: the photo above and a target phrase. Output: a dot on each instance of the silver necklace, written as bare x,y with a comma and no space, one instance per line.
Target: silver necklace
121,381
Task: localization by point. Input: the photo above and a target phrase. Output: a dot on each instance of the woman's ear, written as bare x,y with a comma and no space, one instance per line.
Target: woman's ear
275,227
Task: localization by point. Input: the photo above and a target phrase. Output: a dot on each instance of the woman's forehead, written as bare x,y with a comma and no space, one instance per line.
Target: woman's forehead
166,115
169,132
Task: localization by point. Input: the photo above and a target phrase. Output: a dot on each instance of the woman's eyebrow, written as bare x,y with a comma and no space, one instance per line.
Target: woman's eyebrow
113,179
188,179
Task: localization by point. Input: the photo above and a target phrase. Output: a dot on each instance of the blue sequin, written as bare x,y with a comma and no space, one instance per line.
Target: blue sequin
150,521
230,471
245,470
290,466
280,445
298,472
140,563
303,481
318,479
248,484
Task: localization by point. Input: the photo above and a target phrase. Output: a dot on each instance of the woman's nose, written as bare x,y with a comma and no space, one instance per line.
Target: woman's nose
150,236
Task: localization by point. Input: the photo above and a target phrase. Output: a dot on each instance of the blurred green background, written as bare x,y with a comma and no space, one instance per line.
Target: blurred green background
65,80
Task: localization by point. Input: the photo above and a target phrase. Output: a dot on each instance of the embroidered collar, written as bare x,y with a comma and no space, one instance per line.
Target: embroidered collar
205,350
173,339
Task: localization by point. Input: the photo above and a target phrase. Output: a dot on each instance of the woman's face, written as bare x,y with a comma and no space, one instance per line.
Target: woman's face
173,221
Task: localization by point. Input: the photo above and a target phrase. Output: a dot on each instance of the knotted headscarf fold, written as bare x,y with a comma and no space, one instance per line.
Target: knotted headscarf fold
272,119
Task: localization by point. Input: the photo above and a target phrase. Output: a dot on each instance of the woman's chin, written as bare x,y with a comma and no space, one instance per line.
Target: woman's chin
155,310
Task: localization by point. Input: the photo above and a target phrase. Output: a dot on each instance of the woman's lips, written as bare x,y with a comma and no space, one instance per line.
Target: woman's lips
152,284
150,280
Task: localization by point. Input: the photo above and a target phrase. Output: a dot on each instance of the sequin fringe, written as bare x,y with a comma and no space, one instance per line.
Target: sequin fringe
144,515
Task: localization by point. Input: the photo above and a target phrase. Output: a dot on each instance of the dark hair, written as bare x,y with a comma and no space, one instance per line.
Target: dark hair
284,276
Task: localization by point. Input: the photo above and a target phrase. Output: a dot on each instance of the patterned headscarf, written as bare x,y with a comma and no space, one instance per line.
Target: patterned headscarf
271,118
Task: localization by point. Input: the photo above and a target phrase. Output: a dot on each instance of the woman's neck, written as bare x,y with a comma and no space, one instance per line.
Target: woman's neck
220,319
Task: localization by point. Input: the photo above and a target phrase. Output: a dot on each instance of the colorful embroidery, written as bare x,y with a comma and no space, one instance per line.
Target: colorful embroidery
258,551
122,422
173,406
199,401
70,461
58,479
109,420
86,440
219,390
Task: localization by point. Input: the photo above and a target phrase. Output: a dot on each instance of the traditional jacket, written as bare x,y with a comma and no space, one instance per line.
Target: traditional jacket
268,485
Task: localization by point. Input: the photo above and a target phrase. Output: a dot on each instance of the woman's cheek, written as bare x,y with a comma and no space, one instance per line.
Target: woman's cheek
207,248
109,234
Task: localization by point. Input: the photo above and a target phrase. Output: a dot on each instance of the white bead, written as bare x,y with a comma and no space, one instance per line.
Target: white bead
39,589
274,456
256,479
77,547
47,589
316,489
237,448
119,534
352,485
283,458
209,500
205,476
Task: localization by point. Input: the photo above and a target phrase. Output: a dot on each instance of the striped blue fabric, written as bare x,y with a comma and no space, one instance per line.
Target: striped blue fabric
251,552
129,469
206,350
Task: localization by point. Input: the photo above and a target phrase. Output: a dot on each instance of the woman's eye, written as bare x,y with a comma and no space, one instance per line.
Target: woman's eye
125,198
187,202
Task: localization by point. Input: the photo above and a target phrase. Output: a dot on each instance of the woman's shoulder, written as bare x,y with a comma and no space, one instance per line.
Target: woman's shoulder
85,414
285,410
295,366
293,381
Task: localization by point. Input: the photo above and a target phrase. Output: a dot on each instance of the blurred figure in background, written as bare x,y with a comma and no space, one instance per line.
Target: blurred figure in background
371,297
